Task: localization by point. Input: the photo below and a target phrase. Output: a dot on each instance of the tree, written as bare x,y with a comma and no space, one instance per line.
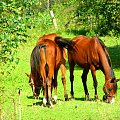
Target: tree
100,16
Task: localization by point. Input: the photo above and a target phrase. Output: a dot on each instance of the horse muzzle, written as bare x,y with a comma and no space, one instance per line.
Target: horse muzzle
112,100
109,99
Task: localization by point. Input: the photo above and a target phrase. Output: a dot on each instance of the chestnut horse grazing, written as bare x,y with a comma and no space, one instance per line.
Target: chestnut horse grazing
90,53
60,62
43,62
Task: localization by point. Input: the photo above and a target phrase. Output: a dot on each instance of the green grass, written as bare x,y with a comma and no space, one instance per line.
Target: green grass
77,109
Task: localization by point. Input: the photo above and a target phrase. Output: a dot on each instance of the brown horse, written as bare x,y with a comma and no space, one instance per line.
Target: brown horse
43,64
60,62
90,53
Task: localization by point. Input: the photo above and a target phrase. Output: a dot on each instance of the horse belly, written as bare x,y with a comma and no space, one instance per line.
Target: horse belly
80,59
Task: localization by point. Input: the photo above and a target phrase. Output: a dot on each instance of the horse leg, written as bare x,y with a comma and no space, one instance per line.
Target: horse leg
95,83
72,78
63,72
55,85
84,80
45,93
49,84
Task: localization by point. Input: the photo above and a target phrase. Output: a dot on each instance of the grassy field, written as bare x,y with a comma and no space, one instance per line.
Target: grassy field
31,109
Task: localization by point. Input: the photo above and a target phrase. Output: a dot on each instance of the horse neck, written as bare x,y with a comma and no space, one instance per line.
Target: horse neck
106,66
108,72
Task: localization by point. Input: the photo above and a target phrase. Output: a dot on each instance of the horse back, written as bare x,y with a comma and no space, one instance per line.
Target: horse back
48,54
49,36
85,51
61,52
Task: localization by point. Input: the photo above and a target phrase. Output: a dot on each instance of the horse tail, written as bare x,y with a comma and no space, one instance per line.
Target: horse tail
34,59
107,56
63,42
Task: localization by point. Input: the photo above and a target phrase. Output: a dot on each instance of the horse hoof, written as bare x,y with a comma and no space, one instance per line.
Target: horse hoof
72,98
43,105
55,99
97,100
36,97
96,97
104,98
87,97
44,102
51,104
66,97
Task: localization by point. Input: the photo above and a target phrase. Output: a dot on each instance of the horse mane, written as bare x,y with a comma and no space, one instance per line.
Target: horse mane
105,50
107,56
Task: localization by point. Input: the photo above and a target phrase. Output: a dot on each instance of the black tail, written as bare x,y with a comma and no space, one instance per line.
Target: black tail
35,58
63,42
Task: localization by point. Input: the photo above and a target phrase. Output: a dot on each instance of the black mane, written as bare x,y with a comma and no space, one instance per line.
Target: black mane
107,55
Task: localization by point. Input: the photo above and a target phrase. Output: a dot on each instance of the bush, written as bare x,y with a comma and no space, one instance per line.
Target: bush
13,31
91,33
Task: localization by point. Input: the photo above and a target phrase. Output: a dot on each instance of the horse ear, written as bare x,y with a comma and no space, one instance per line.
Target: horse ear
27,75
117,80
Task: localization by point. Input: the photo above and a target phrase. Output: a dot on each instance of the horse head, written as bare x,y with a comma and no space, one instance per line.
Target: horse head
110,89
36,86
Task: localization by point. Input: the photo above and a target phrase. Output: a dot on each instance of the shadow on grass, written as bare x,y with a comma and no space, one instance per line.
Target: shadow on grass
38,103
41,101
41,98
90,100
81,99
114,53
35,104
31,97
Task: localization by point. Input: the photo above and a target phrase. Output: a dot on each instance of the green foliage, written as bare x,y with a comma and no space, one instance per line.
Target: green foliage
44,21
100,16
65,14
12,30
91,33
16,18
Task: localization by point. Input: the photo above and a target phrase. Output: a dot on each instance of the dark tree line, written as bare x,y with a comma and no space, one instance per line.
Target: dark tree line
102,16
